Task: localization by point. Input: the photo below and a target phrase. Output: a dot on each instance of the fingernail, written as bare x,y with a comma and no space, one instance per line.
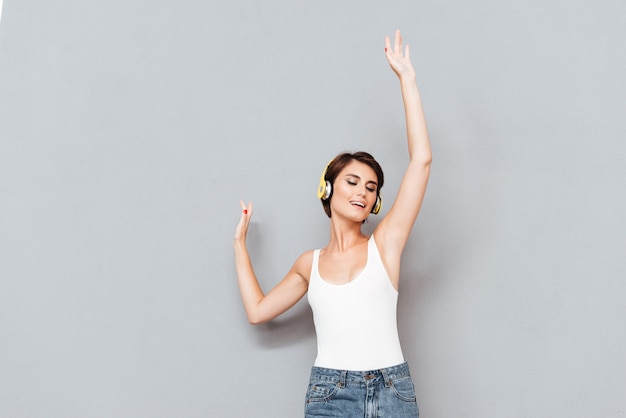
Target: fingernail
245,211
385,49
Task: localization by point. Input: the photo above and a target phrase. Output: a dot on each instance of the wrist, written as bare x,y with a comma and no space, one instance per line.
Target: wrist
239,244
408,81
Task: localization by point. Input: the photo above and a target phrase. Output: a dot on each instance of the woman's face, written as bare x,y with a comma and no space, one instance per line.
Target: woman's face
354,191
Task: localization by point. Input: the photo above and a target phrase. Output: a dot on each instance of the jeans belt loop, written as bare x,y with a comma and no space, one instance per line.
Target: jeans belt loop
386,377
342,379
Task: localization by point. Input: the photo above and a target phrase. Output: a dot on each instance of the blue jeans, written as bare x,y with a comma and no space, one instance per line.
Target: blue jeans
383,393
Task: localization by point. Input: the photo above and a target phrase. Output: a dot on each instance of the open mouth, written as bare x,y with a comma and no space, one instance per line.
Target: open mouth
360,204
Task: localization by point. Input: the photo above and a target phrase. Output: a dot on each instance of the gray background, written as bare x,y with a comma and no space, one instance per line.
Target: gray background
130,129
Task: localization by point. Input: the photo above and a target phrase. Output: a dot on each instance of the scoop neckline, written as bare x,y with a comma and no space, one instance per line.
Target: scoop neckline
355,278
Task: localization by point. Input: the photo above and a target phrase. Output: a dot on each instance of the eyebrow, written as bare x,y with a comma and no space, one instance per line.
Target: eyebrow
358,177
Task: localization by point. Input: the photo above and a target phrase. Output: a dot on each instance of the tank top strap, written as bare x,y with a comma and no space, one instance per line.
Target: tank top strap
315,274
375,258
372,251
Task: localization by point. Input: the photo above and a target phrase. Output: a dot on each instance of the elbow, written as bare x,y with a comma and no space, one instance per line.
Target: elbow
423,161
255,319
256,312
422,158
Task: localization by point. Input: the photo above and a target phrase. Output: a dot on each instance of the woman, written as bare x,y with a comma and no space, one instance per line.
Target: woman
352,282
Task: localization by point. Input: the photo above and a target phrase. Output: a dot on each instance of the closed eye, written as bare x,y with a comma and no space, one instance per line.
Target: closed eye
353,180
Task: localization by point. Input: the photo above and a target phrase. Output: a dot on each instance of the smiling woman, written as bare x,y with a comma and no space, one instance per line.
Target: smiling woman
339,164
360,370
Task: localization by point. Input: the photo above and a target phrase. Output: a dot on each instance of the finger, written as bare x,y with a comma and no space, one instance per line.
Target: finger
406,53
398,43
245,210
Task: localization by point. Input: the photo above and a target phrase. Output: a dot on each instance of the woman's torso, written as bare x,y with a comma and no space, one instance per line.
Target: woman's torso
355,321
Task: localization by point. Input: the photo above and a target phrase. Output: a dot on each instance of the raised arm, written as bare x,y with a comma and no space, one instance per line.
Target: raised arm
393,231
260,307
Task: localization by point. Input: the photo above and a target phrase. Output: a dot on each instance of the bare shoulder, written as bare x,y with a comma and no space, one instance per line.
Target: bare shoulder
303,265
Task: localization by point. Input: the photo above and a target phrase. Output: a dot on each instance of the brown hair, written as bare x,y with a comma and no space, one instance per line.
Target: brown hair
340,161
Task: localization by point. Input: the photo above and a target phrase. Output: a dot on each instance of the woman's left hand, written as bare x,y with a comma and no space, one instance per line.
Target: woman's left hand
399,62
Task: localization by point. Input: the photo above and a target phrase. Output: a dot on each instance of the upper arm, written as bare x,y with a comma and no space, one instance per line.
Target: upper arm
287,292
393,231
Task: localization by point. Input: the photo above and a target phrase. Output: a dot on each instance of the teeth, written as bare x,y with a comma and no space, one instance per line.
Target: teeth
359,204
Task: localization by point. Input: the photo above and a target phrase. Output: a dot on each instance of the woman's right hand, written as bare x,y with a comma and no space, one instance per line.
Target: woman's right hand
260,307
244,222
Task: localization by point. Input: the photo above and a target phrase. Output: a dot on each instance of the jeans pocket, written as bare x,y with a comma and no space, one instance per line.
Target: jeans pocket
321,390
404,389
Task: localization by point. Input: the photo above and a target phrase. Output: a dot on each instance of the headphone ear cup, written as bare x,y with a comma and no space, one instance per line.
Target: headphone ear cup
329,190
321,189
378,205
325,189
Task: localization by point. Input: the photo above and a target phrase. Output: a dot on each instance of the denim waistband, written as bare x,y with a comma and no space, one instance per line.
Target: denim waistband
342,376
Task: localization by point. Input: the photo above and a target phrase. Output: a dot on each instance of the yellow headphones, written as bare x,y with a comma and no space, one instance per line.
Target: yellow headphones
378,205
325,190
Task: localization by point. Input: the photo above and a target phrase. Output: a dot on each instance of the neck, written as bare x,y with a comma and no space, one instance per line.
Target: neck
344,235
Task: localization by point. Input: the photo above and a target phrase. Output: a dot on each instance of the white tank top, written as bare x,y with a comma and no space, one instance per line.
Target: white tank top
356,322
